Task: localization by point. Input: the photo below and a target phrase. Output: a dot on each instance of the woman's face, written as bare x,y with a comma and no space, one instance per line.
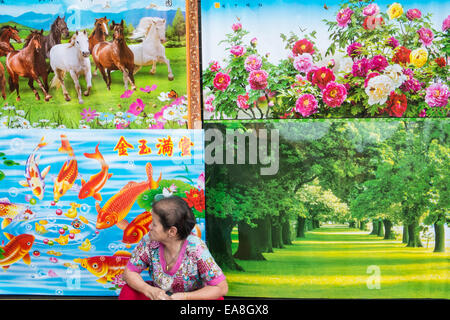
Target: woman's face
156,230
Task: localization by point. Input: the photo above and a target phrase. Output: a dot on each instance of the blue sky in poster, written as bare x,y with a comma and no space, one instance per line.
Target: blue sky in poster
267,19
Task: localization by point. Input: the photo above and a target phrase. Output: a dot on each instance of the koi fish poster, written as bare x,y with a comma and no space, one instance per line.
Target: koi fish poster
325,59
74,204
57,65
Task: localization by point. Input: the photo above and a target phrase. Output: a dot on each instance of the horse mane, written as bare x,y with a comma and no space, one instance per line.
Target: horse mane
3,28
29,37
143,27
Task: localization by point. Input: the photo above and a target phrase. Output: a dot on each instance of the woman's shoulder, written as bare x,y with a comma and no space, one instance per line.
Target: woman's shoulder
195,245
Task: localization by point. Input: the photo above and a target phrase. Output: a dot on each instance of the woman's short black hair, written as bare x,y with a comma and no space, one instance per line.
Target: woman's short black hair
174,211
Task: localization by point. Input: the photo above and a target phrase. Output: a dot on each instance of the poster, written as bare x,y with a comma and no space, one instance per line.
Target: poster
330,209
59,235
324,59
145,83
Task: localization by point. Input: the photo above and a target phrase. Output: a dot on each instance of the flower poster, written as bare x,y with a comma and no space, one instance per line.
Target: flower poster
325,59
59,235
96,64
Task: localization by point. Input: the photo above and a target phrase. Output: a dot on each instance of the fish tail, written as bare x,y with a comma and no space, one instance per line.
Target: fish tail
42,143
65,146
96,155
152,183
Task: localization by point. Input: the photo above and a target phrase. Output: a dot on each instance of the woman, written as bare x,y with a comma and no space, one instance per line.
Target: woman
179,263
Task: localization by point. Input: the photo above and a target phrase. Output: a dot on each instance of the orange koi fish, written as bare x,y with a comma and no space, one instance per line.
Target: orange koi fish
97,181
35,180
10,211
117,208
68,173
16,249
106,268
136,229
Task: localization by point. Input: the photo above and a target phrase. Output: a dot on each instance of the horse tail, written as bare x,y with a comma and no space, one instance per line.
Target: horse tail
55,81
11,84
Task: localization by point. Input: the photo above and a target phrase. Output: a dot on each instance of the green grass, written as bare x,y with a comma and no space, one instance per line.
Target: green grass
60,112
333,262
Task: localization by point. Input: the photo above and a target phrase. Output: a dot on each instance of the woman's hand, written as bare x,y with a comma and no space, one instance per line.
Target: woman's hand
155,293
179,296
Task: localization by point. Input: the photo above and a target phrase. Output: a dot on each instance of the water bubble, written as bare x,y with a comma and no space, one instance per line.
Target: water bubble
28,227
59,292
131,164
85,208
13,192
112,247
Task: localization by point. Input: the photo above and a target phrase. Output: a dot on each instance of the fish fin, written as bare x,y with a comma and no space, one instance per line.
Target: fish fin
65,146
24,183
98,208
6,222
42,143
110,175
102,280
83,182
5,200
122,224
8,236
122,253
44,173
129,185
5,268
97,196
26,258
96,155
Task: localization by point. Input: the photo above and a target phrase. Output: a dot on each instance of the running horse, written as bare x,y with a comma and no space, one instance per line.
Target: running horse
27,63
115,55
58,30
99,34
6,33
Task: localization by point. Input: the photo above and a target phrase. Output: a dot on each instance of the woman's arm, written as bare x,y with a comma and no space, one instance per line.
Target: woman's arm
205,293
135,281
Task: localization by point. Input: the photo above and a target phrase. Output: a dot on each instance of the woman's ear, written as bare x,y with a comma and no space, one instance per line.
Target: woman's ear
173,231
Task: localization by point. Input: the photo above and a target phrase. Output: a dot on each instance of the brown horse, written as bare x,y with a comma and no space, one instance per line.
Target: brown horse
27,63
2,81
115,55
58,30
6,33
98,35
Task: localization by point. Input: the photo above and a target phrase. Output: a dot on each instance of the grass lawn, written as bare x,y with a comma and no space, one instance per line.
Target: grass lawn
333,262
60,112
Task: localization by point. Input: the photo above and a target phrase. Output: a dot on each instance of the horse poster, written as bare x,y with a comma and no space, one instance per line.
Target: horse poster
57,235
325,59
99,64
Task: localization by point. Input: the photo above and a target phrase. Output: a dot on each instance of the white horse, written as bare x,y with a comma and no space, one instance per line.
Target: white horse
151,50
72,57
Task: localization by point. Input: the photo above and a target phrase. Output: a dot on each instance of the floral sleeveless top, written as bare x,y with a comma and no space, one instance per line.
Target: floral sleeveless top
194,268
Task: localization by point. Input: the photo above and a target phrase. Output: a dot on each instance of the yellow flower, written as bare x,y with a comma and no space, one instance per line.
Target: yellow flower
418,57
395,10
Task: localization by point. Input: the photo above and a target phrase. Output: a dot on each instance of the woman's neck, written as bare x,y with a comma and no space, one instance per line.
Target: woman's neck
173,247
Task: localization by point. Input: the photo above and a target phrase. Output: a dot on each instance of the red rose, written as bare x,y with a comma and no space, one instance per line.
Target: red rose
401,55
322,76
397,104
302,46
440,62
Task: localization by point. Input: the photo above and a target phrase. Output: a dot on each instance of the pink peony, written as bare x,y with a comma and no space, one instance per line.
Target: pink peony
353,50
236,27
221,81
446,24
258,79
334,94
393,43
343,17
322,76
209,103
242,101
303,63
214,66
371,10
360,67
378,63
253,62
413,14
254,42
306,105
437,95
303,46
411,84
426,36
372,22
237,51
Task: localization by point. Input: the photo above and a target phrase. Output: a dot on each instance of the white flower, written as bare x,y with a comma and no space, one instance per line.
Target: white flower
20,112
378,89
164,96
83,126
7,108
119,114
170,114
395,73
345,65
61,126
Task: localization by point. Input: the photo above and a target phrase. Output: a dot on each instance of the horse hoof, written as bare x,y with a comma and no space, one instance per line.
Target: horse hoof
170,78
80,101
18,99
37,98
47,98
67,98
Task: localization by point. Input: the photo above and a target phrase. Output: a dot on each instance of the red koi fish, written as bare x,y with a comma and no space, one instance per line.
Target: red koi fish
106,268
10,211
17,248
97,181
117,208
68,173
35,180
136,229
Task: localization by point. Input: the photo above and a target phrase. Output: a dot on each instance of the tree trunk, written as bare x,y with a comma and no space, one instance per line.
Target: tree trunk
316,224
301,227
264,231
362,225
218,239
439,237
388,235
413,236
380,228
277,240
352,224
405,234
375,227
286,232
249,248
